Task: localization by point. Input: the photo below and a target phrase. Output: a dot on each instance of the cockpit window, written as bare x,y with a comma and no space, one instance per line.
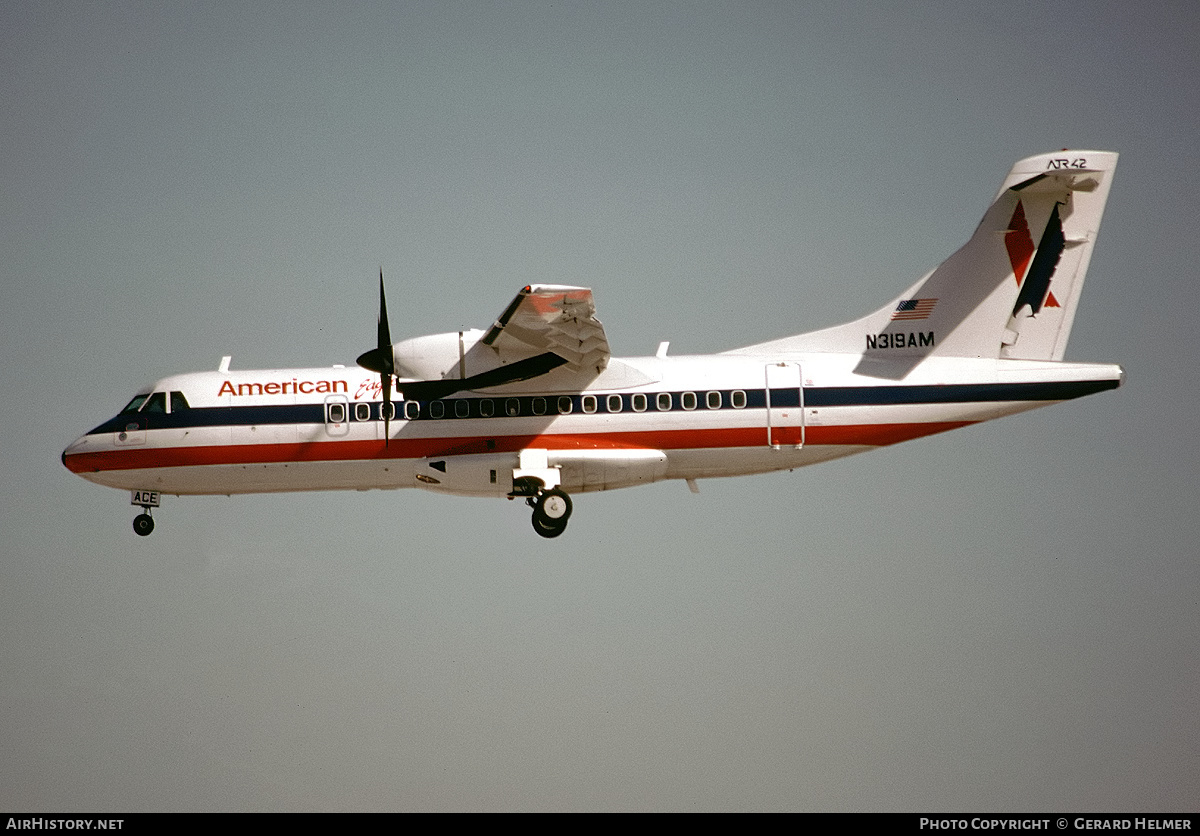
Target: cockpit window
136,404
157,403
178,402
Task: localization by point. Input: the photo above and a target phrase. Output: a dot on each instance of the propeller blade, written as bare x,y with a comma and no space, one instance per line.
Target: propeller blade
380,358
384,333
384,344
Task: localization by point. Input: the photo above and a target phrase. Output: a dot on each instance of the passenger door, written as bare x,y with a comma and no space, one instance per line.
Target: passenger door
785,406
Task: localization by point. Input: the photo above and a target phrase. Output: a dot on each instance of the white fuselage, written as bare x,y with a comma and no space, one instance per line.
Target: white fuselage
536,406
642,420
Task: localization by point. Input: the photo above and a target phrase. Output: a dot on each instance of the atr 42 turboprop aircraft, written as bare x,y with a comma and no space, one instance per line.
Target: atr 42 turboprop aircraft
535,407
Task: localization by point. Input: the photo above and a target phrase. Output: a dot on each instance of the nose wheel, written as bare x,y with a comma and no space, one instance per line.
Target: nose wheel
143,524
146,499
551,510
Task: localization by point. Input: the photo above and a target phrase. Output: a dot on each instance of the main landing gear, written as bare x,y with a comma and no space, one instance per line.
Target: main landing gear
551,510
551,507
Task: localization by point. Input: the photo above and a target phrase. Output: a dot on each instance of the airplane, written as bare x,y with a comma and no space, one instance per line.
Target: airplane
535,407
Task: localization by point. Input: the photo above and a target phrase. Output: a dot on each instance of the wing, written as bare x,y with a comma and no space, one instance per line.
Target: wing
553,319
543,328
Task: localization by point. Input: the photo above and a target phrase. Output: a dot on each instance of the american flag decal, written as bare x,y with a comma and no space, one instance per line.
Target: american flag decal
914,309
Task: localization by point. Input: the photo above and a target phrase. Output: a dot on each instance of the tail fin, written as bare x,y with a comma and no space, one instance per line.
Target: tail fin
1011,291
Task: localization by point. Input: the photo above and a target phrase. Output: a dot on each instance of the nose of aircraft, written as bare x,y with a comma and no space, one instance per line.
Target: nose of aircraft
75,446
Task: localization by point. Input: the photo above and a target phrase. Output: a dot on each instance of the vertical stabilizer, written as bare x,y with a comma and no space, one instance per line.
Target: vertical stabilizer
1011,291
1050,270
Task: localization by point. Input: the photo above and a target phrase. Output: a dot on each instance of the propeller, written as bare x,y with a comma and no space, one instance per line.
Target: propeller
380,359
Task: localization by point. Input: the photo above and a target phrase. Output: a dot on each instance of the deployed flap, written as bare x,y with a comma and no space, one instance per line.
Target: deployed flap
545,329
552,318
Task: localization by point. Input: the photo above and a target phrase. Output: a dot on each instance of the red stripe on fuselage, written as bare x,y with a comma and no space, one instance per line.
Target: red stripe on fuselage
876,435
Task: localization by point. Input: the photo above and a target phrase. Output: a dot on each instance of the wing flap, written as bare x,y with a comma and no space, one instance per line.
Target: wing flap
555,318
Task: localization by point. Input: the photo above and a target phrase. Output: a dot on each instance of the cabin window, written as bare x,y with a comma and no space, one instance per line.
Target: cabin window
638,402
713,400
737,398
178,402
512,407
539,406
335,412
136,404
462,408
615,404
663,402
565,405
387,411
487,408
362,412
589,404
156,403
437,409
412,410
688,400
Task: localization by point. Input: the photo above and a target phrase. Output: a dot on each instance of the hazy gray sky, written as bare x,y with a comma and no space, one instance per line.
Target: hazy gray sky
999,619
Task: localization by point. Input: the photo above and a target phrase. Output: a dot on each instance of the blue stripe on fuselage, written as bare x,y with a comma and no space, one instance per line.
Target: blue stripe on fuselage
547,406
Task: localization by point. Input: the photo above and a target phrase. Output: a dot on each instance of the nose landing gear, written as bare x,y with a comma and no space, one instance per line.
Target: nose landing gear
143,524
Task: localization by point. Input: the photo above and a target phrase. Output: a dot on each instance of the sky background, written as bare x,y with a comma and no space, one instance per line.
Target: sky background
1003,618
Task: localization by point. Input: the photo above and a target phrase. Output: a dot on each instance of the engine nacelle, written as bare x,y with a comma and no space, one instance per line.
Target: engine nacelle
434,356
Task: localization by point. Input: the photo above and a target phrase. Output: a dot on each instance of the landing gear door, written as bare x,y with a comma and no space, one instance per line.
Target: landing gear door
785,406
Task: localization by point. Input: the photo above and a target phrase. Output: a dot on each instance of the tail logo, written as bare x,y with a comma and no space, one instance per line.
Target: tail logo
1036,292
